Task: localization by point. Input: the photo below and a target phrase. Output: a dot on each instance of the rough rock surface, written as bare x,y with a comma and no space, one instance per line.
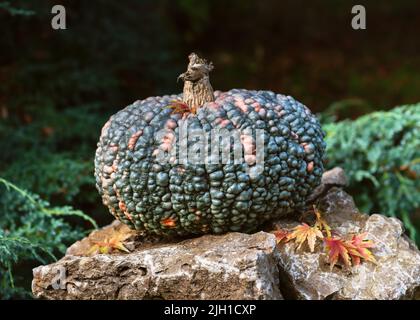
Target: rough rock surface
305,275
238,265
232,266
331,178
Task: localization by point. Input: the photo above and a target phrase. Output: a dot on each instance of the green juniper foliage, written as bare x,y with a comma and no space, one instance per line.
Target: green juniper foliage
14,11
30,231
52,154
380,153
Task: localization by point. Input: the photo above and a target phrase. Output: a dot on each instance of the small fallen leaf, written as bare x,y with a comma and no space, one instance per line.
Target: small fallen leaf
321,223
179,107
337,249
281,235
360,249
114,242
304,232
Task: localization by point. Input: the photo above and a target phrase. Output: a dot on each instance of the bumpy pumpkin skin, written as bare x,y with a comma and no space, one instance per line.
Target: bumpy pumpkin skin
182,199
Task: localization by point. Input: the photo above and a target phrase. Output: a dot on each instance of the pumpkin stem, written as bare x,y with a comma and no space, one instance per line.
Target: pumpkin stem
197,87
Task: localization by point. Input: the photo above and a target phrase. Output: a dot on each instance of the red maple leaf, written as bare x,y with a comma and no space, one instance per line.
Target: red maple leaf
281,234
360,249
304,232
349,251
321,223
337,249
178,106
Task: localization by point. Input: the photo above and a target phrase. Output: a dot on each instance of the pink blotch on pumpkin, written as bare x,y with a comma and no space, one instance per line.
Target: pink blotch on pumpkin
256,106
123,208
248,144
224,123
180,170
213,105
306,147
105,127
170,124
168,138
108,169
113,147
166,146
133,139
105,182
241,105
250,159
310,166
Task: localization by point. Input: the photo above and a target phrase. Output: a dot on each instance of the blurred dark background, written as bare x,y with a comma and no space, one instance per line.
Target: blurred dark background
59,86
113,52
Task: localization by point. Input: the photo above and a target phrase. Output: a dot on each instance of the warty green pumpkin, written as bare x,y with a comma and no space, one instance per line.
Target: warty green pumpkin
173,196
